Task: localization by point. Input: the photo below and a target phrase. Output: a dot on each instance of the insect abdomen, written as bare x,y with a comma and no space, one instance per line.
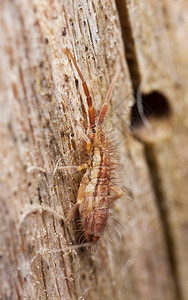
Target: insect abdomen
94,223
94,206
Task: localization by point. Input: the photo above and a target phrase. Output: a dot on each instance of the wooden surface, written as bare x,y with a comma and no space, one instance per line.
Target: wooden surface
143,254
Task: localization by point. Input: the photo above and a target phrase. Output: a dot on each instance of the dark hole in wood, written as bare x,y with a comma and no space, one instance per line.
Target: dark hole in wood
153,105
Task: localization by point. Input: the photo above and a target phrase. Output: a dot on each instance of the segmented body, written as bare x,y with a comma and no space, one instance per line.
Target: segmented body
93,197
94,190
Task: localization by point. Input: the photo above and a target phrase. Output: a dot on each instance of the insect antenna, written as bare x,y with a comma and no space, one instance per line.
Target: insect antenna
85,87
107,100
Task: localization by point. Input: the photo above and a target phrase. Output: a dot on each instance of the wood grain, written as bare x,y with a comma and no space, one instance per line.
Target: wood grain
42,107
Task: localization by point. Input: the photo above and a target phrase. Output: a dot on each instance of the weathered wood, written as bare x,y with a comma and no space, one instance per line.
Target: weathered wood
42,106
159,32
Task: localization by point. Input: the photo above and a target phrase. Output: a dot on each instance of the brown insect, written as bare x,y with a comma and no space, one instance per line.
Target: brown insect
93,198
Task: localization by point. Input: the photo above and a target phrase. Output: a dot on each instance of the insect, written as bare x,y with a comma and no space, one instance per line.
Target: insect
93,198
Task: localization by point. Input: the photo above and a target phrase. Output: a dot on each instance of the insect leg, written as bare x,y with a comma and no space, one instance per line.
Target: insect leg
85,87
38,208
76,168
108,95
73,210
85,138
80,197
35,168
118,193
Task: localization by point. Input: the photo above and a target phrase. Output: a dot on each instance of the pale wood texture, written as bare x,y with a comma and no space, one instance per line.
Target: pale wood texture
42,107
159,31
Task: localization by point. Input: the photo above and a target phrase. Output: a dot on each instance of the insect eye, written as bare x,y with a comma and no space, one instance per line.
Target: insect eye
93,130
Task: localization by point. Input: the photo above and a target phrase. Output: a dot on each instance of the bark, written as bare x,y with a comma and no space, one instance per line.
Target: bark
43,110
